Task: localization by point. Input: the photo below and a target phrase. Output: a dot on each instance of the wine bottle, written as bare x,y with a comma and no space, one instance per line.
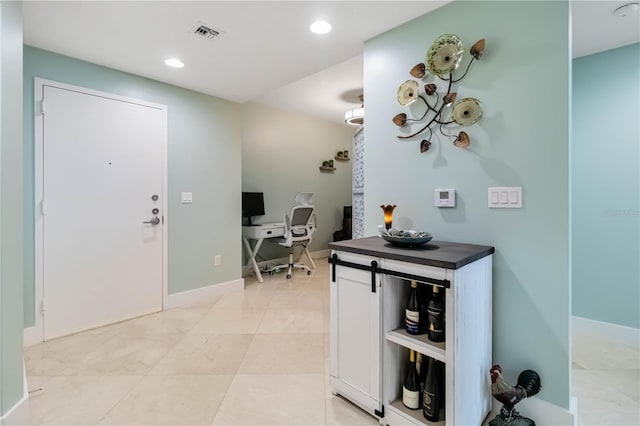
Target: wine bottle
435,309
412,313
421,365
431,393
443,379
411,386
423,298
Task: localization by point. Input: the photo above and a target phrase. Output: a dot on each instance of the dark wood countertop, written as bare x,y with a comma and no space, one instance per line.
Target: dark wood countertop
441,254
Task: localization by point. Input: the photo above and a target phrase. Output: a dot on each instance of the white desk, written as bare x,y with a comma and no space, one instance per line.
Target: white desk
259,233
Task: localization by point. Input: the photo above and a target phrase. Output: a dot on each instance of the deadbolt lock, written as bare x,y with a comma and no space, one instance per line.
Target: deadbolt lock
155,211
154,197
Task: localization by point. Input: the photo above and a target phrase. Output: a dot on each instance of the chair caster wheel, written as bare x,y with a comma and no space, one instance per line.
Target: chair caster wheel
308,272
289,276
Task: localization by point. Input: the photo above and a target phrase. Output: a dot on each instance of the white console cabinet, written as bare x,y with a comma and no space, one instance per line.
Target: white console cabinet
369,287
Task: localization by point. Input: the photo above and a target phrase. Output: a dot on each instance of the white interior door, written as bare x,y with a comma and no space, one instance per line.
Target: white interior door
102,179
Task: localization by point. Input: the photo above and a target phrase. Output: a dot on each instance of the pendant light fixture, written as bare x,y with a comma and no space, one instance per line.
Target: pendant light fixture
355,116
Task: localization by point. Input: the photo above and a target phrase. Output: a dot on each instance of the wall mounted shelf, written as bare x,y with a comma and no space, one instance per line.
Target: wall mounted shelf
326,169
342,155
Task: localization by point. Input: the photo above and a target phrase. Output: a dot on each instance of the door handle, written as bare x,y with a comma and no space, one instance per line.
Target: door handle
154,221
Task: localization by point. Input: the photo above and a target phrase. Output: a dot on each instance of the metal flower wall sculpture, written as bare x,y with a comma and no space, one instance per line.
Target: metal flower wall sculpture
442,60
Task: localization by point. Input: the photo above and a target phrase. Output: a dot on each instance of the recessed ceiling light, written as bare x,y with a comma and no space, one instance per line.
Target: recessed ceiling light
175,63
320,27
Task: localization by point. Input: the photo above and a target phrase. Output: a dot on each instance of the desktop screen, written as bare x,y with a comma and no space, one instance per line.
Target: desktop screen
252,205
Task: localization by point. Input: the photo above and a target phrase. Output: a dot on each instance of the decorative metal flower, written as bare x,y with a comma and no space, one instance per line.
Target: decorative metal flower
462,141
477,49
430,89
408,92
449,98
444,55
400,119
442,60
418,71
425,145
466,111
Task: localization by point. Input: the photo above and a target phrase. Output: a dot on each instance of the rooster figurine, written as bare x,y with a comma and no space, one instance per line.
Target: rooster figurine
527,386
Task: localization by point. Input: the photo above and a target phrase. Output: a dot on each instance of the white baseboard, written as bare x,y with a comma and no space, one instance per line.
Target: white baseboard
31,336
19,413
202,295
321,254
604,330
542,412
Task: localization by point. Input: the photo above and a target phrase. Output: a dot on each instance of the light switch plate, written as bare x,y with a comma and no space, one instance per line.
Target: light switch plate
505,197
186,197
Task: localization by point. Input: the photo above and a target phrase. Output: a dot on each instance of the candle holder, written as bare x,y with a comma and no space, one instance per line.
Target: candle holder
388,214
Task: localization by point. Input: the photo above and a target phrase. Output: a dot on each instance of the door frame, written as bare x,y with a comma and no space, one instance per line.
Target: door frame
39,84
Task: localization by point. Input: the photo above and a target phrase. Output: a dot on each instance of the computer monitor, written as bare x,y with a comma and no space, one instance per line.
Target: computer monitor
252,205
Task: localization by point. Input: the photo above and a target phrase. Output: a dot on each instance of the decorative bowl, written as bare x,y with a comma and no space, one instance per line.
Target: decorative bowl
407,238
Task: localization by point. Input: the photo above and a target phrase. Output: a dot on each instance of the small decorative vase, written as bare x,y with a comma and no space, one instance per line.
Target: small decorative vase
388,214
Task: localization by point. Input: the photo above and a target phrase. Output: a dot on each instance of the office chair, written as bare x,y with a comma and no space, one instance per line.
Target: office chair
299,227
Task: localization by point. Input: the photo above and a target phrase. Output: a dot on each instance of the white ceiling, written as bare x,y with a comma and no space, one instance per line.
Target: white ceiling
596,28
267,53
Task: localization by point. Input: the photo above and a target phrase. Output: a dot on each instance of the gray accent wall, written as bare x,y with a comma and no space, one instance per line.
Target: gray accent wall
281,153
11,209
523,82
606,186
203,158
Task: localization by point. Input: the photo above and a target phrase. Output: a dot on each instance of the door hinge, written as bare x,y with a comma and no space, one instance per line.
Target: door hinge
42,107
42,307
42,208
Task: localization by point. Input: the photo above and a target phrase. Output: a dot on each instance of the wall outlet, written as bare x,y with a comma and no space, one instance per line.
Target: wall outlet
217,260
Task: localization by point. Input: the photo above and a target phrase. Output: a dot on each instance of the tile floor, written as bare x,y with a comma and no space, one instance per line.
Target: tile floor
606,381
253,358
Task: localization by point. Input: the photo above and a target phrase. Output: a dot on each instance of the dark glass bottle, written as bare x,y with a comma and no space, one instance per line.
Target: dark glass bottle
411,386
412,312
443,378
421,364
435,309
431,394
423,299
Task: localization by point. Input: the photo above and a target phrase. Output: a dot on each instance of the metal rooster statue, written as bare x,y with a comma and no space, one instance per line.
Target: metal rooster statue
527,386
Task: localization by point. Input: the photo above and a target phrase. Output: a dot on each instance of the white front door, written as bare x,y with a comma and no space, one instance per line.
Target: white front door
102,179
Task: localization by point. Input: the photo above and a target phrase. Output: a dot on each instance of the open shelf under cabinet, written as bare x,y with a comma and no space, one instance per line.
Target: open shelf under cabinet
414,416
419,343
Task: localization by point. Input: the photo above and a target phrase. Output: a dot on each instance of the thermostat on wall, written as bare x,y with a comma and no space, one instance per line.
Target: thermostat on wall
444,197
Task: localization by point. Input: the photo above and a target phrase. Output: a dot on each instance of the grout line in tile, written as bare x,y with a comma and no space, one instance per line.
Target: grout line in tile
124,395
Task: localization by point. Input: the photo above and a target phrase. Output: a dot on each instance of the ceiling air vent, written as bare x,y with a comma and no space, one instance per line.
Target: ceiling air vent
206,31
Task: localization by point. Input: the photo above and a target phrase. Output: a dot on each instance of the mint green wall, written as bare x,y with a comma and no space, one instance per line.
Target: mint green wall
606,186
281,153
522,140
11,215
203,157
